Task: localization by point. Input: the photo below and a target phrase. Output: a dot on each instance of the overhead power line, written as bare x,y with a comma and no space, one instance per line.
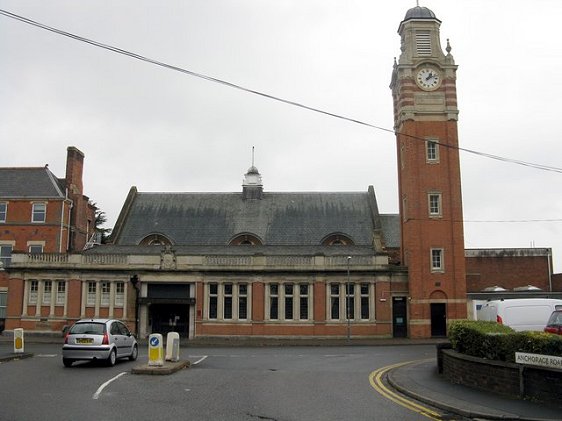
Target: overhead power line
262,94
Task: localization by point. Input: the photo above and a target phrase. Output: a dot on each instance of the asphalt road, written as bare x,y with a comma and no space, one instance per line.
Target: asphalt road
270,383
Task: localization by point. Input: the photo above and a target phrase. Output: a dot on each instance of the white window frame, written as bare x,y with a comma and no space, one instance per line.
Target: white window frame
3,211
437,260
3,303
36,213
434,204
293,299
105,288
119,300
34,245
33,291
432,150
91,293
47,292
6,250
236,295
358,298
61,293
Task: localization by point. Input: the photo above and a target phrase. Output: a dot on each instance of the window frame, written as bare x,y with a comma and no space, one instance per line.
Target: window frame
33,295
437,260
290,301
227,301
60,298
6,256
361,301
435,210
432,150
35,213
3,212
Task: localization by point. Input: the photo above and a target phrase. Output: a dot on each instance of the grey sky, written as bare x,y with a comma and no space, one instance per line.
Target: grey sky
139,124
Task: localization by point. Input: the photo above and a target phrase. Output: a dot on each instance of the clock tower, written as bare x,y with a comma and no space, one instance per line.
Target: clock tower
425,122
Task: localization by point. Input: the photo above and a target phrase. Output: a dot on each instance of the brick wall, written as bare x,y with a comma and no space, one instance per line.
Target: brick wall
502,378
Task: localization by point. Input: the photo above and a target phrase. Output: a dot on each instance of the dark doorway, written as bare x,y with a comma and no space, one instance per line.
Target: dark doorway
166,318
399,317
438,319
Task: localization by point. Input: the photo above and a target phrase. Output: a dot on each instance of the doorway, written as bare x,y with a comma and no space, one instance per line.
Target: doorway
165,318
438,319
399,317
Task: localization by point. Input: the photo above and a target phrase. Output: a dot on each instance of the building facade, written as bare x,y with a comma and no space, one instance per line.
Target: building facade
263,264
40,213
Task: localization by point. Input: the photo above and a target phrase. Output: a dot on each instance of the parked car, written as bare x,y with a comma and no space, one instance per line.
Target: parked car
99,340
554,324
519,313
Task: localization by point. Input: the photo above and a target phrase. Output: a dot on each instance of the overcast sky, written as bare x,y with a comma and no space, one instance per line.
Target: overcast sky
160,130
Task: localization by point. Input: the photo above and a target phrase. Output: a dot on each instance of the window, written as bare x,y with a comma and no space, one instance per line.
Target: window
92,290
365,313
423,43
47,289
39,212
303,303
227,307
3,211
437,260
105,289
335,301
119,294
274,301
353,301
432,150
288,301
3,304
242,301
33,290
227,301
434,200
5,254
213,300
35,248
61,292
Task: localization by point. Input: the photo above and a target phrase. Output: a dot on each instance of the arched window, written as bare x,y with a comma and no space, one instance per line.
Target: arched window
246,239
155,240
337,239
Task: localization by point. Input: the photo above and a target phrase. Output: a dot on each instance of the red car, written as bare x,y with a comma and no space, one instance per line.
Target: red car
554,324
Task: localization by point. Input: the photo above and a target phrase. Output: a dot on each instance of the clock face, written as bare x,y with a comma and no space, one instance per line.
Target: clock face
428,78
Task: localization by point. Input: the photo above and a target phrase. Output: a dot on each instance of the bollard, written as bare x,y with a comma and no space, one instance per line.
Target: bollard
155,350
18,341
173,346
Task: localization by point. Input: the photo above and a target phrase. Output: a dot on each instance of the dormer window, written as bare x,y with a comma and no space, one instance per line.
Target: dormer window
155,240
337,240
246,240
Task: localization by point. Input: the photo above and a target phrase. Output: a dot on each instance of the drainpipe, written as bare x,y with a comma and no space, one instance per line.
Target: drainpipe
549,257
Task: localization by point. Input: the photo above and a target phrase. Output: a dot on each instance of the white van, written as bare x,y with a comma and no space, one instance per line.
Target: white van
519,313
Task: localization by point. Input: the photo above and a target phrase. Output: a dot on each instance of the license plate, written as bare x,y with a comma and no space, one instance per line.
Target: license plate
84,340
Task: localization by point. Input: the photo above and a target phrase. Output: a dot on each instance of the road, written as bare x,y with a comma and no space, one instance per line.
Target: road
270,383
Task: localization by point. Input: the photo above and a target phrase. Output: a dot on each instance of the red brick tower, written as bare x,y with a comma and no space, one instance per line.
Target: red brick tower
425,120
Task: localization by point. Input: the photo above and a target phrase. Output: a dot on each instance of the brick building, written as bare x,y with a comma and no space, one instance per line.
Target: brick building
40,213
258,263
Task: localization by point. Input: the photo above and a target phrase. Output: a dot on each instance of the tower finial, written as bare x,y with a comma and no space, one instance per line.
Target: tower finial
252,156
418,3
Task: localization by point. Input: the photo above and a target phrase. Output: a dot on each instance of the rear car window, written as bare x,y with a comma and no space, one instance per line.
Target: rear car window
555,318
88,328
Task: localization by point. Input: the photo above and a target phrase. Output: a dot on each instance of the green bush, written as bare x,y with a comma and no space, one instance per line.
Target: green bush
498,342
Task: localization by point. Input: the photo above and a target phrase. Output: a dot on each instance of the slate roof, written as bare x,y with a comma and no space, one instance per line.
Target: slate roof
30,183
278,219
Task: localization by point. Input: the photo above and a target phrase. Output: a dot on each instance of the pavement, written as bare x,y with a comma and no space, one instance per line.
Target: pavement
418,380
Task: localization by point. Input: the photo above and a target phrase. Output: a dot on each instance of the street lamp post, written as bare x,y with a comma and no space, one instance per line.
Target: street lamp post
348,300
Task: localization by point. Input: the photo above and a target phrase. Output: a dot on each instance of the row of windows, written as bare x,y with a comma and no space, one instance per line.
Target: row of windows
6,251
56,291
38,212
290,301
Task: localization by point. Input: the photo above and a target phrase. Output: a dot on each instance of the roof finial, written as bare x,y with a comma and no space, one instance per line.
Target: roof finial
417,3
252,156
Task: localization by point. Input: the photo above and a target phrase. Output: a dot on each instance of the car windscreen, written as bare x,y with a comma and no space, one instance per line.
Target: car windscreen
555,318
88,328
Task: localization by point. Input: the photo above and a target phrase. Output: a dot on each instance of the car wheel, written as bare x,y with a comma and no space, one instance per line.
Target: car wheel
112,358
67,362
134,353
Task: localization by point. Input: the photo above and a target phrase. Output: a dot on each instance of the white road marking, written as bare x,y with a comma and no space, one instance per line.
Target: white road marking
199,360
103,386
47,355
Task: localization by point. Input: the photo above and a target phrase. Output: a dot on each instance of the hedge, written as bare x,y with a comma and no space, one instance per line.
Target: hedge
498,342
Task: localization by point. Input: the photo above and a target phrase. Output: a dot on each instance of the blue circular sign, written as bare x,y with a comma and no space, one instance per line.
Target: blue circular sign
154,341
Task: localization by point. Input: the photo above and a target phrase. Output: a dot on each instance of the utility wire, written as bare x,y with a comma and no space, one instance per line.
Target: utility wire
262,94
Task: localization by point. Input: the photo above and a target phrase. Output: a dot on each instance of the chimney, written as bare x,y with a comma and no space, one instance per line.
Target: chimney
74,169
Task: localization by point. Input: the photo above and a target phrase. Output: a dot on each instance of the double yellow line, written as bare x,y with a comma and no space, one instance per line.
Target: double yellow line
375,378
